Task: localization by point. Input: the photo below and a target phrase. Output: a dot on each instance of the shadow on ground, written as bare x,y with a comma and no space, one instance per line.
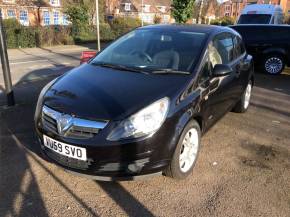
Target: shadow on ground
19,149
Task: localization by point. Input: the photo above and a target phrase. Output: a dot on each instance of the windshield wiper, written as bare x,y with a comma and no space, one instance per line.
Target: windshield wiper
120,67
170,71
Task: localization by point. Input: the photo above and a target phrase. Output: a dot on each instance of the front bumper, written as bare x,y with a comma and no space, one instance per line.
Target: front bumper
117,160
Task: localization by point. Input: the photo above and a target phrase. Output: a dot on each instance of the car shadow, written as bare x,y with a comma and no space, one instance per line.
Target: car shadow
19,191
19,150
124,199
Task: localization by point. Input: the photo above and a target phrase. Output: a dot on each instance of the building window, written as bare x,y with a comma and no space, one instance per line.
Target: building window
147,8
166,19
56,18
147,18
11,14
228,8
46,18
227,14
54,2
65,20
23,17
127,7
9,1
162,9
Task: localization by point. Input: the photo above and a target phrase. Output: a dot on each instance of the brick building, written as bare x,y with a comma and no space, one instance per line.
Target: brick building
285,4
133,8
34,12
233,8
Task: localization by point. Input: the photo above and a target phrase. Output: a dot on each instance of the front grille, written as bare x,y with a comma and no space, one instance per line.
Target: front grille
81,132
77,128
49,123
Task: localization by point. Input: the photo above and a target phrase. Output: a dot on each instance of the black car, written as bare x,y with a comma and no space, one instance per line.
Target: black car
141,105
268,44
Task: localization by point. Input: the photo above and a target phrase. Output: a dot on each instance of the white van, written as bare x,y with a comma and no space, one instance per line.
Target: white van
261,14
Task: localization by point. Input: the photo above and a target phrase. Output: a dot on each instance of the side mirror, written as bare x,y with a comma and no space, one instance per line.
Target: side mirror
87,56
221,70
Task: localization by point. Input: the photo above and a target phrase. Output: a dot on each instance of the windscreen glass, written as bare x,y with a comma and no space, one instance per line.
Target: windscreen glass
254,19
154,49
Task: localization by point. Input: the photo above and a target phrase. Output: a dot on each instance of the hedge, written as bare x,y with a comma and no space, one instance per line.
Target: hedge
19,36
224,21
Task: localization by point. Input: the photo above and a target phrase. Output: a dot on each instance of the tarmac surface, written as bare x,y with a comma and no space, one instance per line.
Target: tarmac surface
243,167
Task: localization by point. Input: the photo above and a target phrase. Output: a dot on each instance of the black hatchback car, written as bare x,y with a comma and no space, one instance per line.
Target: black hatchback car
141,105
268,44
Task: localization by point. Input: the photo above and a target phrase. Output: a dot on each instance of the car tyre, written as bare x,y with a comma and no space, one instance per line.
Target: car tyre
244,103
186,152
273,64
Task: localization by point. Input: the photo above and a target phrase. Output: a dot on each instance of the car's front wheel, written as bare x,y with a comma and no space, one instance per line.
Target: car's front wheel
186,152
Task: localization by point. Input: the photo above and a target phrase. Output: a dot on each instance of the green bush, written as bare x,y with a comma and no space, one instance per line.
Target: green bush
54,35
17,35
157,19
22,36
122,25
223,21
106,32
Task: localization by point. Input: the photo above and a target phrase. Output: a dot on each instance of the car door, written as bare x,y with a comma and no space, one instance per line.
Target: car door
222,95
242,67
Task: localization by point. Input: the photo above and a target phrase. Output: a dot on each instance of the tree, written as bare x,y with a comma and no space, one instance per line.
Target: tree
90,6
182,10
78,15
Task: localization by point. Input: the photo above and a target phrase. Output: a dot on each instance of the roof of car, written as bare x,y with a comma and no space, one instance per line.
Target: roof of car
189,27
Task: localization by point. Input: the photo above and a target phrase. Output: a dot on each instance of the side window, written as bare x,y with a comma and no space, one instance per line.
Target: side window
214,56
239,46
223,43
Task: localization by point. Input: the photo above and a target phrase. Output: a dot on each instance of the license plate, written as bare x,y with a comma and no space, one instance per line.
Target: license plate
65,149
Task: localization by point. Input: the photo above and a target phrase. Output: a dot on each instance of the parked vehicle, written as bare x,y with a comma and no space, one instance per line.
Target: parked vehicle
141,105
87,55
261,14
268,44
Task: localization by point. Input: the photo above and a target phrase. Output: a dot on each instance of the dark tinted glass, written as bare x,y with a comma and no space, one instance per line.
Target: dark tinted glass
223,43
254,19
239,46
154,49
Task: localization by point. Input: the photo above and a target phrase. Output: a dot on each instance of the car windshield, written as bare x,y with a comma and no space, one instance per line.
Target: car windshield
153,50
255,19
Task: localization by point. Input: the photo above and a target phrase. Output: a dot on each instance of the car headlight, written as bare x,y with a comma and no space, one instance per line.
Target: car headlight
40,98
145,122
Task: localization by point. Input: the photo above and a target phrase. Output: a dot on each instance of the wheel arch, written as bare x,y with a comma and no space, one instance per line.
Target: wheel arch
275,51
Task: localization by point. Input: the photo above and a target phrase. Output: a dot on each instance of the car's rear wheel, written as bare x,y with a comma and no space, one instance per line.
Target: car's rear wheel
273,64
244,103
186,152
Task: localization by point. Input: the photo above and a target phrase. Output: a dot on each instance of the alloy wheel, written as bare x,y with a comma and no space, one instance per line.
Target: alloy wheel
248,94
273,65
189,150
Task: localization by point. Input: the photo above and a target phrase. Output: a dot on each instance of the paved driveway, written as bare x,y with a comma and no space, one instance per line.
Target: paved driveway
243,168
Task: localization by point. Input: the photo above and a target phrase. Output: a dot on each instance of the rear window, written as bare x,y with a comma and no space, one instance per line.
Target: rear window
254,19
